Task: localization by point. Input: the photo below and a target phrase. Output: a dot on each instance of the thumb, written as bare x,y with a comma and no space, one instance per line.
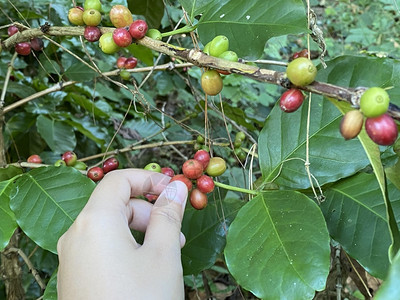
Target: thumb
164,228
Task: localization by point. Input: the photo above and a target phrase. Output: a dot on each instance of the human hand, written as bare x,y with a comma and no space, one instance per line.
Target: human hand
100,259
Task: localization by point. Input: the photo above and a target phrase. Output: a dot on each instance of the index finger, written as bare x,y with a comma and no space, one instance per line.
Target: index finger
120,186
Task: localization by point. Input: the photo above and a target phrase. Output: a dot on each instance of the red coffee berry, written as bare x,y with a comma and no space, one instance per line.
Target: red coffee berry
382,130
23,48
168,171
12,30
37,44
198,199
95,173
192,169
151,197
184,179
203,157
110,164
122,37
121,62
92,33
138,29
205,184
69,157
291,100
130,63
34,159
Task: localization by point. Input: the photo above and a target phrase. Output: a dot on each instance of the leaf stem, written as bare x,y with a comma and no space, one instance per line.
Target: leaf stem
184,29
235,188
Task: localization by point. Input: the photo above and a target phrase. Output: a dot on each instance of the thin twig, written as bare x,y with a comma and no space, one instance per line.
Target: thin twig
198,58
31,268
7,79
59,86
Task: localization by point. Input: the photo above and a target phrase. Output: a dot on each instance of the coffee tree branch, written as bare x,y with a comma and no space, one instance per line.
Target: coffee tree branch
198,58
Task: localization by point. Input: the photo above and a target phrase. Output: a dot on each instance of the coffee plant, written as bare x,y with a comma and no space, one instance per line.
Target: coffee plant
295,195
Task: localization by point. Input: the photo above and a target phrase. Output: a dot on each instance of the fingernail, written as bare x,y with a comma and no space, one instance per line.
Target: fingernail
175,191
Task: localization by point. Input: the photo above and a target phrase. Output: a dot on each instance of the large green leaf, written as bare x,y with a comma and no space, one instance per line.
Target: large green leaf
278,246
7,218
283,141
152,10
390,289
251,22
355,213
58,135
205,233
47,200
50,293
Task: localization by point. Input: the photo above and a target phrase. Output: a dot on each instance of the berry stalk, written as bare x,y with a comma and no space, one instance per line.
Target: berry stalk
235,188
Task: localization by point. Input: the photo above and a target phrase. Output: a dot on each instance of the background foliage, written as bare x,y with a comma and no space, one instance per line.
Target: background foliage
278,244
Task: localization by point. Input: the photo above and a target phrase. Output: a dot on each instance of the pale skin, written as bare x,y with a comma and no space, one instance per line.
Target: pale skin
100,259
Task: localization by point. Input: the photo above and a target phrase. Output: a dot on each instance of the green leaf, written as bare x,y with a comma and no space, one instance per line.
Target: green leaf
152,10
47,200
80,72
205,233
393,173
355,212
283,141
21,90
278,246
87,127
86,104
50,293
252,23
9,172
390,289
7,218
58,135
141,53
195,8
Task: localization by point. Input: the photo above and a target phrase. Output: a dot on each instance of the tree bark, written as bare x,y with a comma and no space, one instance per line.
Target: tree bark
10,268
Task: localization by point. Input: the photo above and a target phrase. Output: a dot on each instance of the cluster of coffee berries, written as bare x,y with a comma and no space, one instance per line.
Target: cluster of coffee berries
127,30
211,81
237,145
25,48
197,183
125,64
155,167
380,127
301,72
97,173
199,144
70,159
